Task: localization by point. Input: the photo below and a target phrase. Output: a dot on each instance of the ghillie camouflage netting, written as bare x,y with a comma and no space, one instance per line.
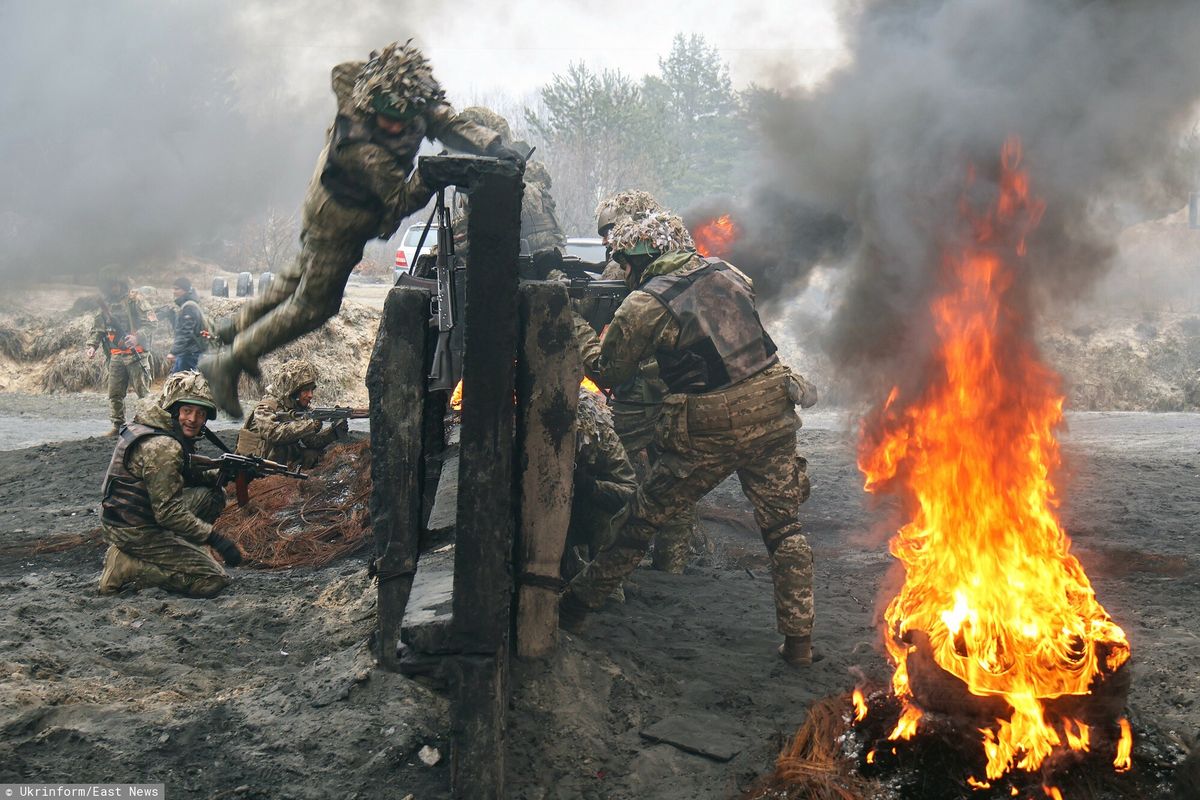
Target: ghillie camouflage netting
309,523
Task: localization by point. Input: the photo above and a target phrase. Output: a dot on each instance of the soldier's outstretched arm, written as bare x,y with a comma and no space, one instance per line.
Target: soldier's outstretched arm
158,460
460,134
280,428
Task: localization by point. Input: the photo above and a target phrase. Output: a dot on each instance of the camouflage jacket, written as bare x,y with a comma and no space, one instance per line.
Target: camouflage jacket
373,167
604,475
159,462
277,431
133,314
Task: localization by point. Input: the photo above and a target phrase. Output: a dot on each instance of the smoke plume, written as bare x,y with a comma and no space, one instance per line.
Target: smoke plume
135,128
1100,93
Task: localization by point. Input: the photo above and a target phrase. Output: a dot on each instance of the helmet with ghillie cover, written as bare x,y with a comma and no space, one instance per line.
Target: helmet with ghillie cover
536,172
654,233
293,376
489,119
113,282
397,82
187,387
623,204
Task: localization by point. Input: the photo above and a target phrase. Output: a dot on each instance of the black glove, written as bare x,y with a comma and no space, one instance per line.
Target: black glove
228,550
499,149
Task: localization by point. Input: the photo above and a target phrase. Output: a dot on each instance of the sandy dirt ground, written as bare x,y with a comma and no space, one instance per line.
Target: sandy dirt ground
268,690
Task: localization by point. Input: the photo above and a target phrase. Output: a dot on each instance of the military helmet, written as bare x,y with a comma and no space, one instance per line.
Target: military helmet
484,116
188,387
396,82
293,376
623,204
652,233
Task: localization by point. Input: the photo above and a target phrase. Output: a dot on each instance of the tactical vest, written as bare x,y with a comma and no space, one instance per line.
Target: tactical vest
721,339
340,183
126,502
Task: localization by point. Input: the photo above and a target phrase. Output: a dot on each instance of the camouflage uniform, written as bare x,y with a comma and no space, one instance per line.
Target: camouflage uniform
637,403
361,190
731,409
604,483
276,429
539,223
156,514
130,314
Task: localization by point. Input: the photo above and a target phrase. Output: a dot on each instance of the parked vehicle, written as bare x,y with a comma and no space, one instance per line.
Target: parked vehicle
589,249
406,253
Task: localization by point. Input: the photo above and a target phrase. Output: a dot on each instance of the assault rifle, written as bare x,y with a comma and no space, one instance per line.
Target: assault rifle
243,469
443,374
335,413
601,298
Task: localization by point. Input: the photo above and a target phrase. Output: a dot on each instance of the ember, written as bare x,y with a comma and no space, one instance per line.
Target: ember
715,238
991,589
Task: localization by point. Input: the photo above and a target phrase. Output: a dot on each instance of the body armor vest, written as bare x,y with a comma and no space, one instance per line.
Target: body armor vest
126,502
346,131
721,339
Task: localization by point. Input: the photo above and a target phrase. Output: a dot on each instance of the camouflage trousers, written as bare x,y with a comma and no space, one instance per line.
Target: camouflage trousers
772,480
149,556
308,291
124,373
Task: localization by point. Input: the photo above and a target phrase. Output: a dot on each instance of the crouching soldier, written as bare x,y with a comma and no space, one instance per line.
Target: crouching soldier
730,408
157,514
279,430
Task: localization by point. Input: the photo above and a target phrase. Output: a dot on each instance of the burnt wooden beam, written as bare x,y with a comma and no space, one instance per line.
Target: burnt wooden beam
548,376
483,579
396,378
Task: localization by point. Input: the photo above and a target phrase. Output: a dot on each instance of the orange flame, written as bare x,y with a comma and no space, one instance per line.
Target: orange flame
989,576
1124,748
715,238
456,397
860,705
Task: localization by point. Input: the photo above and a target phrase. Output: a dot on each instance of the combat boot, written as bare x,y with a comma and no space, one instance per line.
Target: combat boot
798,651
119,570
223,373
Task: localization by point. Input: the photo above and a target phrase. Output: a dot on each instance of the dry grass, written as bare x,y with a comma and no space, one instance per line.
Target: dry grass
72,371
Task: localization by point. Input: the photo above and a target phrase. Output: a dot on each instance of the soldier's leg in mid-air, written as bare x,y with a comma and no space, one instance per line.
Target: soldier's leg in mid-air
281,288
674,485
118,386
771,480
317,297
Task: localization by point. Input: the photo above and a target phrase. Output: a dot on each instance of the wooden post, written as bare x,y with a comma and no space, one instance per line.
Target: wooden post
548,392
396,379
483,581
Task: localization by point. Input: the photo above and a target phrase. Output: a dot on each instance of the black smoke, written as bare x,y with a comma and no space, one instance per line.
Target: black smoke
1100,92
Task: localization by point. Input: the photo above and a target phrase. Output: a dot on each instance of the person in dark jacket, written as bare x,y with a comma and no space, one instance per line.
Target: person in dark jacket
189,342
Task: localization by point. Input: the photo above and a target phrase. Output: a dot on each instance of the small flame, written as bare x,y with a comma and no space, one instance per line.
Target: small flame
1052,792
716,237
860,706
974,784
456,398
1124,747
871,757
588,386
906,726
1080,739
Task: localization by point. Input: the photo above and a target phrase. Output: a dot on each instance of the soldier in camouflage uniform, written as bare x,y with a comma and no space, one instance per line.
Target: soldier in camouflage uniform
539,223
157,514
637,403
731,408
122,329
605,483
277,431
361,190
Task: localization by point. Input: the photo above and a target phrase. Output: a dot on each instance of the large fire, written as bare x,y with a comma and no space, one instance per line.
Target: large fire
715,237
989,576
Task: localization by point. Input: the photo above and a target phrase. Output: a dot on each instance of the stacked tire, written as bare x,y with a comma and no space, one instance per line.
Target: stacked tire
245,284
220,288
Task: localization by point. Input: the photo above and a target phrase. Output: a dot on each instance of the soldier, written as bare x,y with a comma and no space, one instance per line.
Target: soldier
539,224
605,483
361,190
189,342
637,403
122,329
157,514
610,211
731,408
277,430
